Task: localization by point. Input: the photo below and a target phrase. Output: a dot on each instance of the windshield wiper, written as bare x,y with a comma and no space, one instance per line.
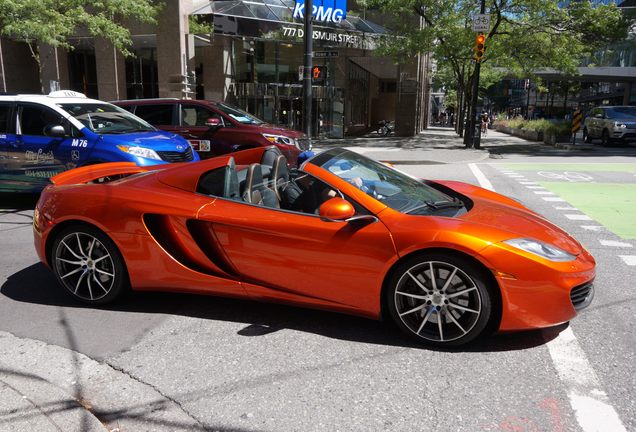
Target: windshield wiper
438,205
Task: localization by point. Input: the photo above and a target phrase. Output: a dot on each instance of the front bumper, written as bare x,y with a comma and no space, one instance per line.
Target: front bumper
538,293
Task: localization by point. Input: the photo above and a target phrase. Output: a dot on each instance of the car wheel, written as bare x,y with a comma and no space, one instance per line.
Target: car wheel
605,139
586,137
440,299
88,264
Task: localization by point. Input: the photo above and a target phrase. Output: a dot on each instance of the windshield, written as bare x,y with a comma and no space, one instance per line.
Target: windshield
103,118
239,115
622,112
393,188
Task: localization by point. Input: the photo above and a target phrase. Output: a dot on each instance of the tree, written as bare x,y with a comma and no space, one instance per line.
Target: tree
52,22
524,36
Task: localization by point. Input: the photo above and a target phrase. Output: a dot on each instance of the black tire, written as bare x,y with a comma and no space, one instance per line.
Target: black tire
605,139
416,301
88,265
586,137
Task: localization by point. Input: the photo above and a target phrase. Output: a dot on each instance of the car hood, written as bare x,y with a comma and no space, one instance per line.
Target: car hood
519,223
156,140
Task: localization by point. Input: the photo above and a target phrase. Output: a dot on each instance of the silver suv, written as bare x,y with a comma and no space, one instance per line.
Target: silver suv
610,123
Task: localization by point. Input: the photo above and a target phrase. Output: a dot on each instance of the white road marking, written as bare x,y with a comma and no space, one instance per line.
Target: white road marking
535,187
528,183
481,178
589,401
592,227
544,193
614,243
630,260
516,176
553,199
565,208
578,217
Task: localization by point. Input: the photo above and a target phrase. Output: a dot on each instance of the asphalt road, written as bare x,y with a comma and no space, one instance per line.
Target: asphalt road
242,366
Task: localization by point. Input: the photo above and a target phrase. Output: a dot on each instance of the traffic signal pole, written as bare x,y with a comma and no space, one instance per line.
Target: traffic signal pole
307,89
470,140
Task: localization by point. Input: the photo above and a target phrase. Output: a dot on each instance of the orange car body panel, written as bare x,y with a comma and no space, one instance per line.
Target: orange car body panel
174,239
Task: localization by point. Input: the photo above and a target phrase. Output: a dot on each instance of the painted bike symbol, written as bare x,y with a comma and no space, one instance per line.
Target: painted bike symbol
567,175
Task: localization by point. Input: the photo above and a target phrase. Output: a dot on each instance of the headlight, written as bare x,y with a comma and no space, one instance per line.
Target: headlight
280,139
139,151
620,125
541,249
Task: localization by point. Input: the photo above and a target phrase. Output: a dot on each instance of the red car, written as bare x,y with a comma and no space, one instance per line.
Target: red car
447,261
216,128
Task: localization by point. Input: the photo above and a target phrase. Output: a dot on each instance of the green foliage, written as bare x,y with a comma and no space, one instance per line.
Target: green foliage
525,35
558,128
52,22
199,25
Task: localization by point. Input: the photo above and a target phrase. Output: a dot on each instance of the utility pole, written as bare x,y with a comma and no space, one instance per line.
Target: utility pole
470,139
307,89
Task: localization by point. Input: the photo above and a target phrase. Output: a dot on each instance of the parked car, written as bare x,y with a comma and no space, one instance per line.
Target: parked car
447,261
610,124
43,135
216,128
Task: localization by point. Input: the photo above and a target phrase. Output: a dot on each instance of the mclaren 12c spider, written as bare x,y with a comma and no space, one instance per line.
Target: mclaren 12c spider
446,261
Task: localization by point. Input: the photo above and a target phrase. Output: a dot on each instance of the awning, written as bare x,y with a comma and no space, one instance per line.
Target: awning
279,11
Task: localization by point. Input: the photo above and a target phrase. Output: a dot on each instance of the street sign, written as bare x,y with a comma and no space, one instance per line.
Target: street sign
323,54
301,72
481,23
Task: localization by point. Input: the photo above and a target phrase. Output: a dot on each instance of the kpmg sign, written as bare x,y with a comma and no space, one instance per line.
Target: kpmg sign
333,11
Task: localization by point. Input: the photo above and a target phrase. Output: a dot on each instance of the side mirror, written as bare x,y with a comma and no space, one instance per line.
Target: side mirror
213,123
55,131
336,210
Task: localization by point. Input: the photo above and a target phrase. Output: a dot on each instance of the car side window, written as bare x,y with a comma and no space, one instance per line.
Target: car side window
155,114
35,119
5,119
194,115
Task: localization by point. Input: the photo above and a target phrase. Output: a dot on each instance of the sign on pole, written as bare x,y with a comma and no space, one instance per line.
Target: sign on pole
481,23
577,118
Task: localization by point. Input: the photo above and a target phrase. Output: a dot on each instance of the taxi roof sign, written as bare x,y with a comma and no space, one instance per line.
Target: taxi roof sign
67,94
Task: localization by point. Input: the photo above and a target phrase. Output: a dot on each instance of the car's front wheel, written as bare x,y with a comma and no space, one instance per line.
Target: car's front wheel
88,264
440,299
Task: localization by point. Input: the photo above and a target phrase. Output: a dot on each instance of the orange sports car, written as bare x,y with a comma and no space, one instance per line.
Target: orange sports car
446,261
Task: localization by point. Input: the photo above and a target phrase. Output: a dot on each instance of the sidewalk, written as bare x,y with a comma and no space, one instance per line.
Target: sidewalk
437,145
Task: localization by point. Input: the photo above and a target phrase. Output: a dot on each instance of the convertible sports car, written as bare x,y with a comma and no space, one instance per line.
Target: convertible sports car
446,261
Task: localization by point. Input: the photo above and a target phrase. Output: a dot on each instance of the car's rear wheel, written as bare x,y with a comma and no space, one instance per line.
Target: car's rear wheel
440,299
89,265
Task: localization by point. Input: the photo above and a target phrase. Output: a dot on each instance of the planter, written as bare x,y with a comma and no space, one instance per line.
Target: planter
531,135
552,139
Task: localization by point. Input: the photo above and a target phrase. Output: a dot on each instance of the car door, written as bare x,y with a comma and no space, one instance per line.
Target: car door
10,167
283,254
39,155
204,139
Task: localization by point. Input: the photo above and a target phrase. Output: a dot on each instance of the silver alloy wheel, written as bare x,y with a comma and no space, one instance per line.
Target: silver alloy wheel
438,301
85,266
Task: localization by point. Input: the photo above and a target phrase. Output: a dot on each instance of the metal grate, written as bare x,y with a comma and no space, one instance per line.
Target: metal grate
175,156
582,295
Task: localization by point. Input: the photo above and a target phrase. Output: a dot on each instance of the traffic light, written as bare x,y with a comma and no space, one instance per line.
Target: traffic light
479,47
319,74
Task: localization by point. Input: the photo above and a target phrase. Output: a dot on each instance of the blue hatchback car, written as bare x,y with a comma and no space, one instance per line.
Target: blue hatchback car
41,136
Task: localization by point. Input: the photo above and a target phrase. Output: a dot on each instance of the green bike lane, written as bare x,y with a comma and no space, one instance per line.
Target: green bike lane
606,192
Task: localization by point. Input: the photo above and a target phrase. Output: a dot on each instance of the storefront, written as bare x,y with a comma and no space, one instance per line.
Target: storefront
263,51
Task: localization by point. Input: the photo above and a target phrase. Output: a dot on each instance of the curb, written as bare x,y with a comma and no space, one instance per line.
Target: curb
61,388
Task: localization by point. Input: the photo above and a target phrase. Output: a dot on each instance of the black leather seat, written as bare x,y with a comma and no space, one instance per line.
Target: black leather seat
280,176
267,161
255,191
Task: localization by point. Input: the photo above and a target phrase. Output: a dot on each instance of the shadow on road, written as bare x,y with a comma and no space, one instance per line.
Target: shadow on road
36,284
